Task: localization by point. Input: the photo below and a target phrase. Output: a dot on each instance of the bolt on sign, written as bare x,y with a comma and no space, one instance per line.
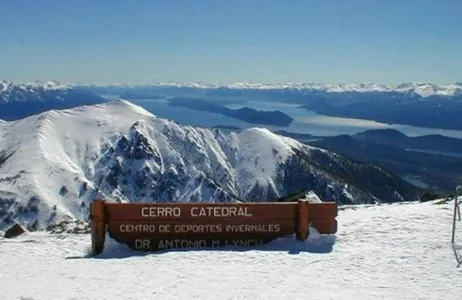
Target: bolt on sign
152,227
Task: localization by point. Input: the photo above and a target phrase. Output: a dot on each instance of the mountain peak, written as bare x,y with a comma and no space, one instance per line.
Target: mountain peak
120,104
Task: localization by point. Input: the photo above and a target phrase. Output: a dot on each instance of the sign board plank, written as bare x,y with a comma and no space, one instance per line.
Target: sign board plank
187,211
164,211
126,239
324,210
324,226
159,244
186,230
162,230
201,228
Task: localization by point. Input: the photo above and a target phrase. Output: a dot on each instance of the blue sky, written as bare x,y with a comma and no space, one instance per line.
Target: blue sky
223,41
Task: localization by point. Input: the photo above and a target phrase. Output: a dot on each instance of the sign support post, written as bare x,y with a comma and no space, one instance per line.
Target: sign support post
98,226
456,211
303,230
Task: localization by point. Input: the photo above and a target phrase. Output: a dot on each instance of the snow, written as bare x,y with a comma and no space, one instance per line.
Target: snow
429,89
397,251
361,87
36,90
312,197
47,85
3,85
260,150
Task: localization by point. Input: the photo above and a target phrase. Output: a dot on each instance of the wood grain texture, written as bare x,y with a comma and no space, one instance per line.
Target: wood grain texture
98,226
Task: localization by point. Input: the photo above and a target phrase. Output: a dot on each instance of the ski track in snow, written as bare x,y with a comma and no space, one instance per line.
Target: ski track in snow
398,251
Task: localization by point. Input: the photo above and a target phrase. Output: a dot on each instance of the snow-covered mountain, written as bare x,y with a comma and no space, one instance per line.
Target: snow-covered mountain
53,164
22,100
418,88
40,90
429,89
35,91
9,87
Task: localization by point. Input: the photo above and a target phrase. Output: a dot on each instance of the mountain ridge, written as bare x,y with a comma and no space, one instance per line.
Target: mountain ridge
424,89
55,163
18,101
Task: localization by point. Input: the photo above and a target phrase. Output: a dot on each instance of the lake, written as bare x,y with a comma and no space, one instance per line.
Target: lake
307,122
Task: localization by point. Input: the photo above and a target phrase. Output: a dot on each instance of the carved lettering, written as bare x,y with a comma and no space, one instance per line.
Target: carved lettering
164,228
247,243
198,228
137,228
159,211
219,212
253,228
198,244
196,211
142,244
178,244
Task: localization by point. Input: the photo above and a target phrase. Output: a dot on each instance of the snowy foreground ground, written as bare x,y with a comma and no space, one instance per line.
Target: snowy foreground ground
399,251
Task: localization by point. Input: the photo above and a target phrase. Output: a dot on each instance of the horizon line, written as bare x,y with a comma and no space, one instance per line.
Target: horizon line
211,85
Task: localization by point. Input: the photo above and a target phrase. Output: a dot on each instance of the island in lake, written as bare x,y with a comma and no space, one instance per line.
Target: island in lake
249,115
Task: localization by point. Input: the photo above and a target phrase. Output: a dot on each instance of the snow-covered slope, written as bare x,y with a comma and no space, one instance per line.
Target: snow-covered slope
398,251
53,164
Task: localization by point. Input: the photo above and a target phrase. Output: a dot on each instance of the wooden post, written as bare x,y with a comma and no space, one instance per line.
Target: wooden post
98,226
456,210
303,229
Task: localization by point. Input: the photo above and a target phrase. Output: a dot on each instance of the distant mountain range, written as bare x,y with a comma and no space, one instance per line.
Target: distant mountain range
18,101
419,88
53,164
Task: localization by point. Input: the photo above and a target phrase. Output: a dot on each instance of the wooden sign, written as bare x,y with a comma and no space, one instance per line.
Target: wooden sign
151,227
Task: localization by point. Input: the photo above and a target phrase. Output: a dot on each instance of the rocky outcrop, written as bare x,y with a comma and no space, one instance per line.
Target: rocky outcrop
14,231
